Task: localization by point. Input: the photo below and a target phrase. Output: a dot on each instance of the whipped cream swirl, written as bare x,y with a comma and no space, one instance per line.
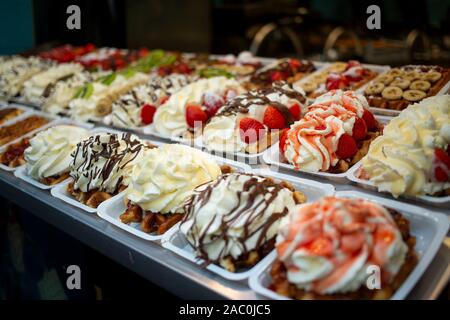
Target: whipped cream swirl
164,177
402,161
49,153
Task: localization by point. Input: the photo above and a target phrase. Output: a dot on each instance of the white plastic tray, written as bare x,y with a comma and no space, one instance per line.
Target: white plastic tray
250,158
176,241
21,173
429,228
352,175
111,209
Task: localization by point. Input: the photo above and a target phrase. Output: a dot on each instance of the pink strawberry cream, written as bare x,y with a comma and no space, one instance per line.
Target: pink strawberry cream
330,130
326,246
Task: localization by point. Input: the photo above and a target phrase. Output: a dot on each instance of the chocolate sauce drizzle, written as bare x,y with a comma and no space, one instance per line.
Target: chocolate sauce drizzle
111,151
242,103
263,76
253,187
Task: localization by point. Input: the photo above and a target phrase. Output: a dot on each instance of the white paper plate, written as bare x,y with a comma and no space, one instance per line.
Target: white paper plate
60,192
21,172
442,202
111,209
428,227
176,241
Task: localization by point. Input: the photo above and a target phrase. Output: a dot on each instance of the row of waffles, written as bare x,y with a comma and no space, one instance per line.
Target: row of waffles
410,156
95,92
231,217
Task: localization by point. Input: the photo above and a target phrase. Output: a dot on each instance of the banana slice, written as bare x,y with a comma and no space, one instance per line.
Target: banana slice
385,79
411,75
392,93
414,95
420,85
374,88
319,77
401,83
432,76
338,67
309,86
395,73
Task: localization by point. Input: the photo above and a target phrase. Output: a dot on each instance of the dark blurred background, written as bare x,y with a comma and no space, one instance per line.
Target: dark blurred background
411,31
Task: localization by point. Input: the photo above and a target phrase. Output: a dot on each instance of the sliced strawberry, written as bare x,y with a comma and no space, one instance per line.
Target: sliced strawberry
183,68
251,130
195,115
273,118
443,157
277,76
294,63
354,74
283,138
296,111
359,129
147,113
352,63
369,119
212,102
346,147
440,174
336,81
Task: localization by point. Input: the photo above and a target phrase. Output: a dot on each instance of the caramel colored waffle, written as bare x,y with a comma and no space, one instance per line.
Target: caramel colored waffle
14,131
92,198
13,156
280,284
7,114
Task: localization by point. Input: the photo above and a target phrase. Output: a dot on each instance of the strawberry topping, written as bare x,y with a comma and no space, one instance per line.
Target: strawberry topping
346,147
440,174
251,130
336,81
195,115
369,119
283,138
442,156
273,118
296,111
147,113
359,129
212,102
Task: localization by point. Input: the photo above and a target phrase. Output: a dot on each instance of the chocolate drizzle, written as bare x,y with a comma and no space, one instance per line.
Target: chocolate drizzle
242,103
88,153
260,193
263,76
